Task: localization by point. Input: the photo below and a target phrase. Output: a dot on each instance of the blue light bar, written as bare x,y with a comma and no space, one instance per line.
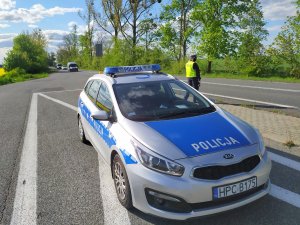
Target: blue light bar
129,69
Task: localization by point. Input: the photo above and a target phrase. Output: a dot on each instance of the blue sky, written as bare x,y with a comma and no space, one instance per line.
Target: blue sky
56,17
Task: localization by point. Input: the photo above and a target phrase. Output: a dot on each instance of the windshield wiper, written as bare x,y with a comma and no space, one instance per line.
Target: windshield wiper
192,112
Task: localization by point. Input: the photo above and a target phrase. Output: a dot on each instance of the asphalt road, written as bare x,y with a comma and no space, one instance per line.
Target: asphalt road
73,186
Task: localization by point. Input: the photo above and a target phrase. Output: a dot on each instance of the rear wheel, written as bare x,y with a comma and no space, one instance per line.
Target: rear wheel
81,131
121,182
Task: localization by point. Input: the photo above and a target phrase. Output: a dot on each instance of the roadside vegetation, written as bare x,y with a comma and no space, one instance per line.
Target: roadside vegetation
27,60
227,36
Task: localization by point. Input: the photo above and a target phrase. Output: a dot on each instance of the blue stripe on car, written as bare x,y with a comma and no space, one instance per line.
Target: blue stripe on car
202,134
104,133
129,159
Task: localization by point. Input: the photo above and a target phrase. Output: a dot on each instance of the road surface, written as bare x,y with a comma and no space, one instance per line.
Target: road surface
67,183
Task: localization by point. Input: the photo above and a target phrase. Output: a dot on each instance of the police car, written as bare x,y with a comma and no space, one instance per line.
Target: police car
172,152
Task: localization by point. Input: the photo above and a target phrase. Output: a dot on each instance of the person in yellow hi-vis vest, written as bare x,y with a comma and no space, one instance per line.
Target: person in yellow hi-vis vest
193,72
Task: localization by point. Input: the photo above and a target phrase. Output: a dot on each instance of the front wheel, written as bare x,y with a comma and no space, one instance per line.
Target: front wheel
121,182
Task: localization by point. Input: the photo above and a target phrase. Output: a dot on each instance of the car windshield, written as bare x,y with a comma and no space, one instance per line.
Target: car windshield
73,65
160,100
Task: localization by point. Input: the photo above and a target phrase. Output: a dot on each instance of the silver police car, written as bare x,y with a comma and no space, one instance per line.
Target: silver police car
173,153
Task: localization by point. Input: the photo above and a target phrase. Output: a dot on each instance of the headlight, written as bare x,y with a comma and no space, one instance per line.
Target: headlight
159,164
261,144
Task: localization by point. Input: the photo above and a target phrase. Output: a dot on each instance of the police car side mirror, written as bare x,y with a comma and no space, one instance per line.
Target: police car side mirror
100,115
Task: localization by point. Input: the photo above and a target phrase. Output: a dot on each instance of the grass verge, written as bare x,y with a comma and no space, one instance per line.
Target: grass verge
246,77
7,79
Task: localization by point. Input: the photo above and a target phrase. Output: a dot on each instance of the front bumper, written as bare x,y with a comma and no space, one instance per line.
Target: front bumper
196,194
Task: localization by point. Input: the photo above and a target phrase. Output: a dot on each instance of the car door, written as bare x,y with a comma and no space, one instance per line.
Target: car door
87,105
103,128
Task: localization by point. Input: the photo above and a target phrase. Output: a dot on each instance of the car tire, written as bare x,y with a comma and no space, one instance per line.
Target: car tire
121,182
81,132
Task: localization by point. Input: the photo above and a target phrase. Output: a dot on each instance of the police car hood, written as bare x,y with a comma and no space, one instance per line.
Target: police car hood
194,136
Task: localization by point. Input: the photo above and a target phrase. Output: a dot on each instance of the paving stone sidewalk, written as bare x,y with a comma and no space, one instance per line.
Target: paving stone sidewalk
274,126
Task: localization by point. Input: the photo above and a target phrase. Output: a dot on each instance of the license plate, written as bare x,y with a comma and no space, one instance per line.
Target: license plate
235,188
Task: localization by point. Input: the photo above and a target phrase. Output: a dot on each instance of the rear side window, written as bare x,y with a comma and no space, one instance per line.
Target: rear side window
104,100
87,87
93,90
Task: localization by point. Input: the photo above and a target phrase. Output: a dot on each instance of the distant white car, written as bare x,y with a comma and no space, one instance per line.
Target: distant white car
59,66
173,153
64,68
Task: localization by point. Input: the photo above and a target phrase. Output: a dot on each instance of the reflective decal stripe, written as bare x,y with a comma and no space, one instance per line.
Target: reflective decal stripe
103,132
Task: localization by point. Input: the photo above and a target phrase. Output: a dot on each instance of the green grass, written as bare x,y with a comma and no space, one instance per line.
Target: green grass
246,77
6,79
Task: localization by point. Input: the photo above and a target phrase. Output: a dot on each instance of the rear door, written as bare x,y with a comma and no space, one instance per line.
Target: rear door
103,128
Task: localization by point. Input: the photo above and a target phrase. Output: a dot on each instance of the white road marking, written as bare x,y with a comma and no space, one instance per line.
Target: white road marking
114,213
60,91
59,102
285,195
24,211
253,87
285,161
250,100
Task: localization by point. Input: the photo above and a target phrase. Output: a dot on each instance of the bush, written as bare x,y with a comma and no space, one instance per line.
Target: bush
17,72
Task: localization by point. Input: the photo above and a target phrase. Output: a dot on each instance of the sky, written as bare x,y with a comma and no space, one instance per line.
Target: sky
56,18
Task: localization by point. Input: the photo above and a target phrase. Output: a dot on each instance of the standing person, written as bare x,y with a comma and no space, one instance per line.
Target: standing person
193,72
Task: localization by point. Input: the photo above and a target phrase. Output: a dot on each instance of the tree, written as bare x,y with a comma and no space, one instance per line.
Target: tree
28,53
286,46
177,21
134,13
251,49
111,15
69,51
51,59
87,17
221,25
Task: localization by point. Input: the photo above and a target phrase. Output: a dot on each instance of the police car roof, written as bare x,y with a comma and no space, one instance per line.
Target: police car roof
135,77
137,73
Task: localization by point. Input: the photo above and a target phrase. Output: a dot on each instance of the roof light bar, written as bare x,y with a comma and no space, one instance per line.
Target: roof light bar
128,69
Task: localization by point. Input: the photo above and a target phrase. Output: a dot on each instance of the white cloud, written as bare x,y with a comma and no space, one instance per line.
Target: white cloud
4,25
7,37
34,14
278,9
3,52
33,26
80,28
7,4
55,34
275,28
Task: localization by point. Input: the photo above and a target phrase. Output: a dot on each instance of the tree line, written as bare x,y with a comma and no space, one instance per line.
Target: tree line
229,33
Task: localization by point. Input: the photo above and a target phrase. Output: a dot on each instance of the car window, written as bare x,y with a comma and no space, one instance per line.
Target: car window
93,90
87,86
104,100
159,100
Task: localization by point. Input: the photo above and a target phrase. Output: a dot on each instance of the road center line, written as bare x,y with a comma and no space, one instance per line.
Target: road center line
250,100
45,92
285,195
24,211
285,161
253,87
108,197
114,213
59,102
